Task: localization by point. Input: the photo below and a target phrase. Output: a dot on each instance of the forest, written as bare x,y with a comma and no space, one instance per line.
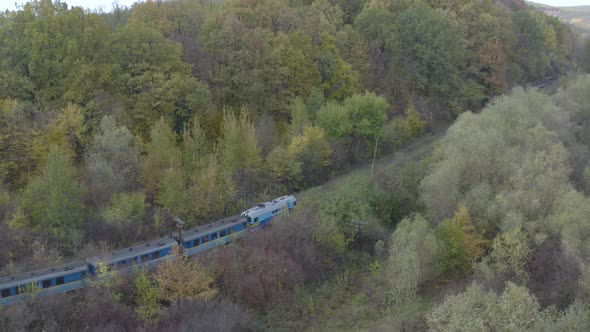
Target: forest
114,123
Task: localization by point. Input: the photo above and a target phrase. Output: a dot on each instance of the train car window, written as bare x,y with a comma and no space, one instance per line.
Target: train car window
197,242
156,255
213,236
59,281
206,238
231,230
46,283
6,292
145,258
256,219
121,264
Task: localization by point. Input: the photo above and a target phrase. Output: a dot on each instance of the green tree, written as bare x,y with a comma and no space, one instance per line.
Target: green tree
284,169
507,173
367,113
412,255
477,310
313,151
238,146
245,71
126,210
195,146
432,53
510,257
154,80
339,80
174,195
162,154
586,55
54,200
147,297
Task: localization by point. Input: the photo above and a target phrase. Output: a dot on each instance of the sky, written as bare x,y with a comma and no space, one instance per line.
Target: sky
91,4
108,4
562,3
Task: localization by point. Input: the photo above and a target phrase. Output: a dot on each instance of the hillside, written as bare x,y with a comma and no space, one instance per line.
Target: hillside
114,125
578,16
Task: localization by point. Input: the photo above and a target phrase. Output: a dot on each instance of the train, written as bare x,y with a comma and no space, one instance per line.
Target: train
75,275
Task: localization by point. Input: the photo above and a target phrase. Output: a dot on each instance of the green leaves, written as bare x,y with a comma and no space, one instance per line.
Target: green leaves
54,200
361,115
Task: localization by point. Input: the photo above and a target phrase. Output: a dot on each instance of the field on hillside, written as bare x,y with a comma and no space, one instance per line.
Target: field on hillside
578,16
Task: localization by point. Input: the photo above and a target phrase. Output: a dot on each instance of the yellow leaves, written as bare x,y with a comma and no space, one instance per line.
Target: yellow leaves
473,242
181,278
550,38
312,144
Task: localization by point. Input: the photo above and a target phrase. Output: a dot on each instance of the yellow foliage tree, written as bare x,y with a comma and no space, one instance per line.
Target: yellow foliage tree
181,278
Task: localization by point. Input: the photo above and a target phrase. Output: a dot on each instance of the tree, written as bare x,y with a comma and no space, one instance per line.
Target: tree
54,200
238,146
212,190
359,121
113,161
510,257
195,146
126,210
295,54
476,310
411,258
339,80
284,169
367,113
313,151
147,298
432,53
586,55
459,246
182,278
245,71
174,195
162,153
496,166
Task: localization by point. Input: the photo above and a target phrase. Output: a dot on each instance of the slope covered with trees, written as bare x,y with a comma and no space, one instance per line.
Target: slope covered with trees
113,123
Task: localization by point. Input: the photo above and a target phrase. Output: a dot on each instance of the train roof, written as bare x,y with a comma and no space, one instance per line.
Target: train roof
134,251
268,206
42,274
212,228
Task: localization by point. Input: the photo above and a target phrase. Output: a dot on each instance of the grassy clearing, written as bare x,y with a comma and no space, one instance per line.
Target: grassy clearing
418,150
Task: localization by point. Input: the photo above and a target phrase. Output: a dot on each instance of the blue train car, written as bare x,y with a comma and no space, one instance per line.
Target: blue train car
262,214
72,276
144,255
52,280
212,235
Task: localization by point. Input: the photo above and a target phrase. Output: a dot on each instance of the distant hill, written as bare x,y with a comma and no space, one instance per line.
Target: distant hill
578,16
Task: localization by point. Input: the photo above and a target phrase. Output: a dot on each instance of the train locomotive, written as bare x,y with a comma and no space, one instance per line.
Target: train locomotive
74,275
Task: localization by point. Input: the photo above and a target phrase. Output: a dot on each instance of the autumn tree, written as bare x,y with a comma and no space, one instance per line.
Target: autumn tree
182,278
147,298
54,200
313,151
459,245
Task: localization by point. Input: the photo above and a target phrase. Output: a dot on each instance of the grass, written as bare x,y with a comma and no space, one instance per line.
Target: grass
418,150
